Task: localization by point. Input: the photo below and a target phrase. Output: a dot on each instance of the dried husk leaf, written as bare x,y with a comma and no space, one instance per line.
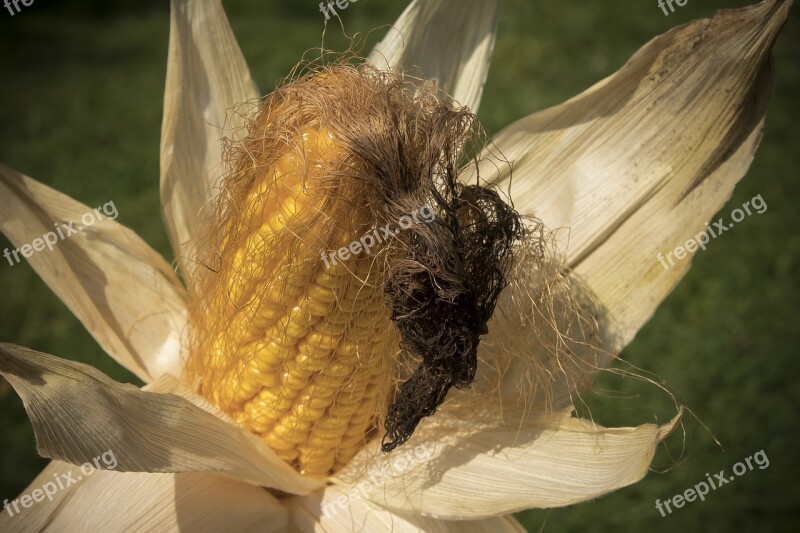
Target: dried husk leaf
479,468
78,413
309,515
143,502
448,41
638,163
121,290
206,76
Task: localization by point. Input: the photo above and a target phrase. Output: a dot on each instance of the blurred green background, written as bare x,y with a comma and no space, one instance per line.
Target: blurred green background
80,109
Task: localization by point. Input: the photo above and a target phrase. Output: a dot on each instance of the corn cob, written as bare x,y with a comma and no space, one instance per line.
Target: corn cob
301,355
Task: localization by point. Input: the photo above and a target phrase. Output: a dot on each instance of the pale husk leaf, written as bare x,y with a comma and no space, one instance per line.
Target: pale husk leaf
637,164
308,515
482,469
206,76
142,502
78,413
121,290
448,41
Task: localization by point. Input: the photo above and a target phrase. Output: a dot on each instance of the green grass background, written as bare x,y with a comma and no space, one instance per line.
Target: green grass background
80,110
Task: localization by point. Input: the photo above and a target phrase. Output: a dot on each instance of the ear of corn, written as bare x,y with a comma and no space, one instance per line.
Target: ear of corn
296,352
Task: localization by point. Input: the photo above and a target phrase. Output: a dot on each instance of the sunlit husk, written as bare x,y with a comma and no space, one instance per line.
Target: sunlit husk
325,511
206,77
448,41
143,502
123,292
486,467
78,414
640,162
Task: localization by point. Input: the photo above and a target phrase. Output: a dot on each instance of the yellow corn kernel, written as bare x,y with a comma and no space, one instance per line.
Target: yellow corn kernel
323,294
316,307
271,354
303,345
